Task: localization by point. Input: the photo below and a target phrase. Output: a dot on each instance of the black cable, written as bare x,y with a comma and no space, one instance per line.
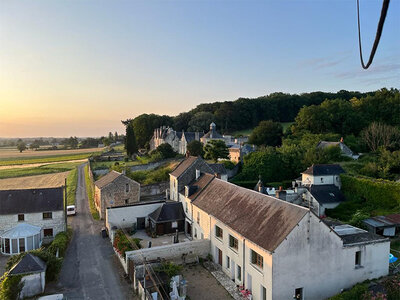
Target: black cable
384,10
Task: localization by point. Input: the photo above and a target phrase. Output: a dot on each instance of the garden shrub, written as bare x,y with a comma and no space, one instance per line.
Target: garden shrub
123,244
10,286
170,269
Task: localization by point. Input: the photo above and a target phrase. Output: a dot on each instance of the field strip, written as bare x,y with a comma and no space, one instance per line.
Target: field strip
40,164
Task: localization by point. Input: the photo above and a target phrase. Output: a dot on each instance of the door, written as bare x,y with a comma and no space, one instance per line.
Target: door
141,223
219,257
188,229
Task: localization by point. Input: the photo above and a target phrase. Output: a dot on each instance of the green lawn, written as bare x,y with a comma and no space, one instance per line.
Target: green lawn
72,181
45,169
44,159
90,194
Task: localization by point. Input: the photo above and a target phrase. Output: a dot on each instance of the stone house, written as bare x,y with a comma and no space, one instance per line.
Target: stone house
115,189
276,249
30,217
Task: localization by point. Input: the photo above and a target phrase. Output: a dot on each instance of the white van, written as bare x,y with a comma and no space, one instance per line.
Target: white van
71,210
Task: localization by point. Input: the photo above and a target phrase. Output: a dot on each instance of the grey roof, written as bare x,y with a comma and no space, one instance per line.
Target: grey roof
170,211
183,165
321,170
383,221
107,179
218,168
264,220
191,136
326,193
31,200
28,264
353,235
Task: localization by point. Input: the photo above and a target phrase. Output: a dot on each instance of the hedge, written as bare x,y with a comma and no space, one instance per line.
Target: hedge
367,195
10,286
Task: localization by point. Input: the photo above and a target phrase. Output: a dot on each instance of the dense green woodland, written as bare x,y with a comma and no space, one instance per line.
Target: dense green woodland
231,116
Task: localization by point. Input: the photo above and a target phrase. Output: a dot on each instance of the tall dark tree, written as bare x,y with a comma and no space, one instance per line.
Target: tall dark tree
130,141
195,148
216,149
267,133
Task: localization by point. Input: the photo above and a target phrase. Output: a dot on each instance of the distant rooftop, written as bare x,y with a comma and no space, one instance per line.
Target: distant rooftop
322,170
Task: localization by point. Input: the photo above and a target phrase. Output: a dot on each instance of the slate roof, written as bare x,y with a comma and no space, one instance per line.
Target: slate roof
107,179
264,220
322,170
212,134
169,211
191,136
218,168
326,193
28,264
200,184
183,165
31,200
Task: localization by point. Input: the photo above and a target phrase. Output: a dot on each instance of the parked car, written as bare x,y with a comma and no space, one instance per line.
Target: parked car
71,211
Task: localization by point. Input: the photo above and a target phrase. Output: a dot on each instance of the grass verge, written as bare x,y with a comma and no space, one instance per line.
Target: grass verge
90,194
72,181
45,169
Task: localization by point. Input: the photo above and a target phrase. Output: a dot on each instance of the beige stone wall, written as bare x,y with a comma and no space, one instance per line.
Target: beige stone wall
121,191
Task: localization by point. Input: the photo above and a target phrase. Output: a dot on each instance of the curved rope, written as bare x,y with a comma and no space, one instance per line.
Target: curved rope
382,18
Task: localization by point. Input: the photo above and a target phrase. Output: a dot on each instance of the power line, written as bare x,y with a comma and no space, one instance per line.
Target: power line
382,18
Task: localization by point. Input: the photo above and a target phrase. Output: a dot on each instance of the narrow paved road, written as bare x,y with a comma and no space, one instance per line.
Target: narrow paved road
90,269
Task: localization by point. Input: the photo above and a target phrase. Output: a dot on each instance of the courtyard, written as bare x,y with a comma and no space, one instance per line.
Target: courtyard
158,241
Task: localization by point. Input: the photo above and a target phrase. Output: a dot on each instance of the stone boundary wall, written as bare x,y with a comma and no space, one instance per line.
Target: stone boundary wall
154,189
181,253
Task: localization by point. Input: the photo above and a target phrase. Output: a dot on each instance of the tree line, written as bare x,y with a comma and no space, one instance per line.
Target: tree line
230,116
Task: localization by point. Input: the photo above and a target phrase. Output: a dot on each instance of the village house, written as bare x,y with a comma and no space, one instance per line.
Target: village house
115,189
276,249
344,149
188,170
30,217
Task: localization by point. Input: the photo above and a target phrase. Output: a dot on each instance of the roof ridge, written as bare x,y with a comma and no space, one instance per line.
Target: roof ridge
208,183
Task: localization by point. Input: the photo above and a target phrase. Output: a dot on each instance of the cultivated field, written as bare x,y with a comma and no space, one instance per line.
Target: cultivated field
30,182
10,157
44,169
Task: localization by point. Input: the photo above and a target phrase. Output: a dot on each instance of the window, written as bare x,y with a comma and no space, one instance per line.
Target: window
174,224
298,294
198,217
22,245
228,262
322,179
239,273
21,217
257,259
126,201
195,233
47,215
48,232
263,293
218,232
358,259
127,187
233,242
186,207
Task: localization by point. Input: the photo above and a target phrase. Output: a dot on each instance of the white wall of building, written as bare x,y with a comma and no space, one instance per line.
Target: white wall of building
126,216
313,258
319,180
57,222
33,285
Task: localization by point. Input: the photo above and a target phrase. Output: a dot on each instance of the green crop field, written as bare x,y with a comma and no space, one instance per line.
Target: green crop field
10,161
45,169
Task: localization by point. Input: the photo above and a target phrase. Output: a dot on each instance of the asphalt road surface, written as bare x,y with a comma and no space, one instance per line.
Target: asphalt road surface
90,269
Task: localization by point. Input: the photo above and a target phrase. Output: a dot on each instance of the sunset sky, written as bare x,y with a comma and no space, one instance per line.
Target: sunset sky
79,67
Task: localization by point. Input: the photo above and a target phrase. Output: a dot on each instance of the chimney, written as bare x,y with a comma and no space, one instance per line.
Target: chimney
197,174
280,188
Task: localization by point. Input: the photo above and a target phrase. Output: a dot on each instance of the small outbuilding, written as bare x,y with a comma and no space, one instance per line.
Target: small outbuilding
33,271
23,237
384,225
167,218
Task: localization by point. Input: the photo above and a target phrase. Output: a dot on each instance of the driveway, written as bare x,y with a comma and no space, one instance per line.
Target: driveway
90,269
